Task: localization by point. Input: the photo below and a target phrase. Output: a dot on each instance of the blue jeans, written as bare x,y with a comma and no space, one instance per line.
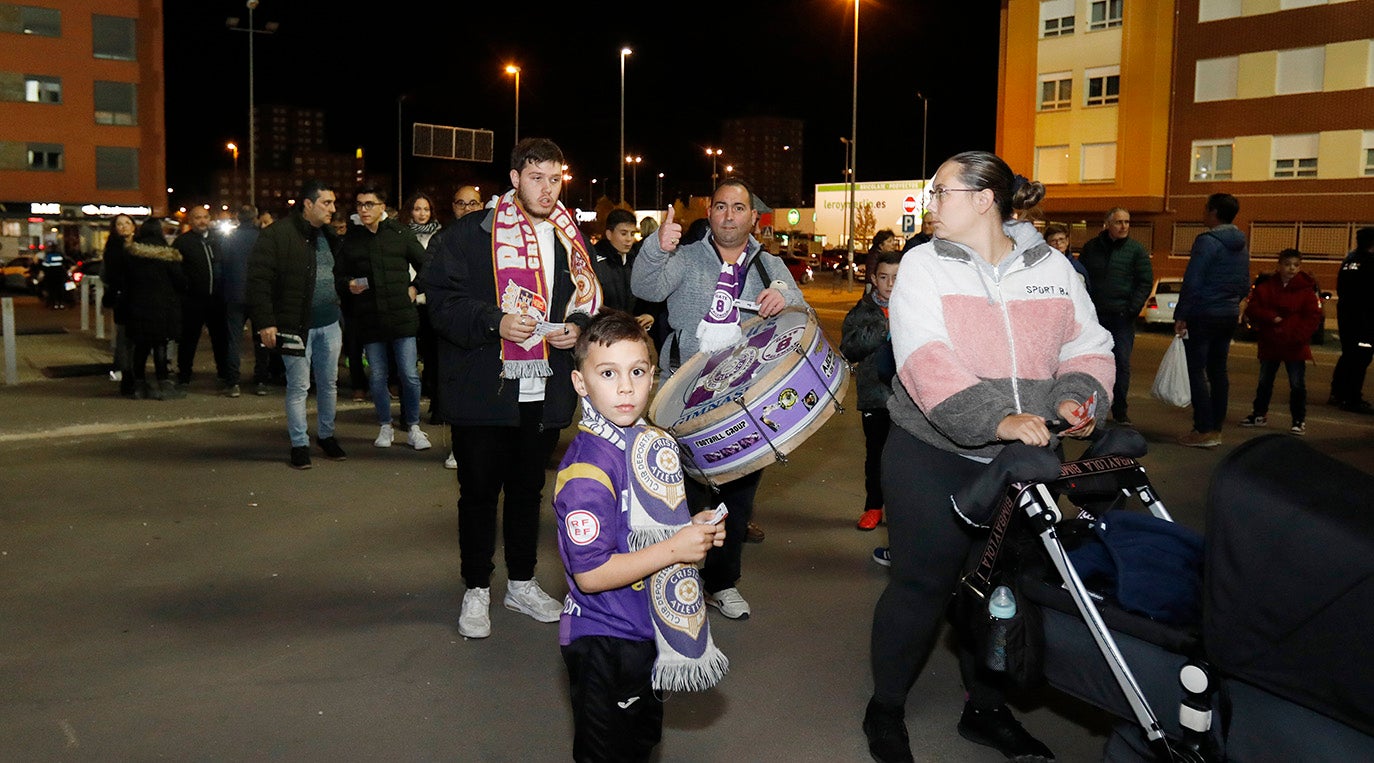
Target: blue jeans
1122,329
236,317
1208,342
1297,387
322,347
408,371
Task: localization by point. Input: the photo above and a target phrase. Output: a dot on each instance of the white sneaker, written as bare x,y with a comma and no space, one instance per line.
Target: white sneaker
450,462
418,439
730,603
385,437
475,620
527,598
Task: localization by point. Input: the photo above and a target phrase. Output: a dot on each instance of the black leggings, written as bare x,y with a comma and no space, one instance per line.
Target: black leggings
139,362
929,549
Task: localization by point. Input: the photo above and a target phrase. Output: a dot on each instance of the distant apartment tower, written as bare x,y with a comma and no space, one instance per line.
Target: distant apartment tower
1155,104
767,153
81,120
291,148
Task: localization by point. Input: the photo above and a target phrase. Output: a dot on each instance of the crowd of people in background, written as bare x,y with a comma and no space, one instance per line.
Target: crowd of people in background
485,316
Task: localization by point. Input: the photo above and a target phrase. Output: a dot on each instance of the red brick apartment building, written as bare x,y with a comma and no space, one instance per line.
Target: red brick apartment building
81,120
1155,104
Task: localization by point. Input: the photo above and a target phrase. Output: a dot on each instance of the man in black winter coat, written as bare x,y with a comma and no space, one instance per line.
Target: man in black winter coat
202,306
294,306
1355,324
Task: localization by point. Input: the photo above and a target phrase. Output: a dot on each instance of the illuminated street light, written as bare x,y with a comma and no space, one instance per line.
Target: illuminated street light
252,32
853,139
623,53
513,69
714,153
634,162
658,193
231,146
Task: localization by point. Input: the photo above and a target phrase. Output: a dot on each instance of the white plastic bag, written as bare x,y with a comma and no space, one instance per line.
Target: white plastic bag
1171,380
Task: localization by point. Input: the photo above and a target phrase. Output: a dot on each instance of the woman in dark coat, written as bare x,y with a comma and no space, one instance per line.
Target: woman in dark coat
152,289
112,268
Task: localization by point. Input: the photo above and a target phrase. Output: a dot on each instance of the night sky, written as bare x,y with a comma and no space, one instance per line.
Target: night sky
702,63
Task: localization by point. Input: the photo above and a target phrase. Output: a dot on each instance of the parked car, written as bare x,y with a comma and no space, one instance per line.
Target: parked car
1159,308
19,272
799,268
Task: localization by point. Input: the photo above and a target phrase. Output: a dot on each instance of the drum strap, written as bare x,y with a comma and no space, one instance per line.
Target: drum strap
675,354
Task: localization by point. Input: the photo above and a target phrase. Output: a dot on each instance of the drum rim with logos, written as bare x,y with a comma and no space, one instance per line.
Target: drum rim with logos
766,386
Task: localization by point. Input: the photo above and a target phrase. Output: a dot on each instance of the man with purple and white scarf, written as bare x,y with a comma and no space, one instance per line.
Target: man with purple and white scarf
703,283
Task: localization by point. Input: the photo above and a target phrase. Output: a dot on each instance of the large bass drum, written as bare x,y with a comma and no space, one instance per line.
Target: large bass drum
737,410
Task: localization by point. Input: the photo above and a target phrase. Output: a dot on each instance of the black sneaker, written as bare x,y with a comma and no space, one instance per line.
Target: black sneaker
997,728
300,457
1358,406
885,727
330,446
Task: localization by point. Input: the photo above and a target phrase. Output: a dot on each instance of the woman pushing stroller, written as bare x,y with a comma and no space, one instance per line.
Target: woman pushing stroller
993,334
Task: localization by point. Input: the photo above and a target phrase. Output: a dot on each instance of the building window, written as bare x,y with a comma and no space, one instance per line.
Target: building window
116,103
26,19
1300,70
113,38
1295,156
1052,164
1104,14
116,168
46,157
1211,10
1216,79
1369,161
1056,18
1211,160
40,89
1104,86
1099,162
1056,91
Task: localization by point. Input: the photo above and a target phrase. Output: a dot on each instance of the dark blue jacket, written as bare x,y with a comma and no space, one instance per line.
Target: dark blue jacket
1218,275
234,250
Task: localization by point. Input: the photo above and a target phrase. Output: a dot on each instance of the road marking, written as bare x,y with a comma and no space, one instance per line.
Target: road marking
91,430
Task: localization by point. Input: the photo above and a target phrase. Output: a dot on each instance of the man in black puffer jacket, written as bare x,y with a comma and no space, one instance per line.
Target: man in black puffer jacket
293,302
1120,277
375,264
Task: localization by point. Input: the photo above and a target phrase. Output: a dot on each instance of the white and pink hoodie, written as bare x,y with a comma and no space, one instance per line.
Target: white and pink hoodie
975,343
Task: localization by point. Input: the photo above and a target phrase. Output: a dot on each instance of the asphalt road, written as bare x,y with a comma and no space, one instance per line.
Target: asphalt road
172,590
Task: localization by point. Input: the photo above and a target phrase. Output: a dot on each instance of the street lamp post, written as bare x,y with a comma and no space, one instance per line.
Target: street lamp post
623,53
513,69
253,32
714,153
925,114
400,152
231,146
853,139
848,173
634,162
658,193
591,194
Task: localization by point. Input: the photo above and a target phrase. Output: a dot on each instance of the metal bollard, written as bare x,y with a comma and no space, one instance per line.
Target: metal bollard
99,307
85,305
7,328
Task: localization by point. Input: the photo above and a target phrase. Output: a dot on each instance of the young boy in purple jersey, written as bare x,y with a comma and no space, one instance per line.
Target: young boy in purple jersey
634,621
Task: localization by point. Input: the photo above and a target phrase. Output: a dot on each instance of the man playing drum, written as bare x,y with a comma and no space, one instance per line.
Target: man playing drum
704,283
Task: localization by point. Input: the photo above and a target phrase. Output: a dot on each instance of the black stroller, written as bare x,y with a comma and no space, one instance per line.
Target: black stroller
1275,669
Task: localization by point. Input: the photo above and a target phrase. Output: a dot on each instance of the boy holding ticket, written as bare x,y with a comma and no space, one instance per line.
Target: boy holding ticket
634,622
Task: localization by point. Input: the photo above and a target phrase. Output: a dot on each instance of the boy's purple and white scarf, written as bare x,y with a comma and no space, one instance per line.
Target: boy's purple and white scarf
720,328
656,500
520,287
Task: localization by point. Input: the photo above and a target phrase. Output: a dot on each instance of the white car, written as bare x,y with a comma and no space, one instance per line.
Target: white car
1159,308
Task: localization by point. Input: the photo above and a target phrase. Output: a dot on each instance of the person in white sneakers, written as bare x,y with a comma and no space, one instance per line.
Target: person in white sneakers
377,257
509,291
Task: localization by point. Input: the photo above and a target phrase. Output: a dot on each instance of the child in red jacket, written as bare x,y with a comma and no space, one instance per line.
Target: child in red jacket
1285,310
